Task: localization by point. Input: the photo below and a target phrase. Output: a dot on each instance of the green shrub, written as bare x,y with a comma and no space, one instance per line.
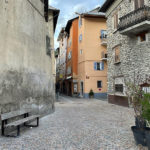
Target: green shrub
91,93
145,102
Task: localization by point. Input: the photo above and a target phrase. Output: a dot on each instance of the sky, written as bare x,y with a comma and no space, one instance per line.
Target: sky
68,9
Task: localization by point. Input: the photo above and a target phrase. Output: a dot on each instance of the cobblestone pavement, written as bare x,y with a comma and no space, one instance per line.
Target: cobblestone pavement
78,124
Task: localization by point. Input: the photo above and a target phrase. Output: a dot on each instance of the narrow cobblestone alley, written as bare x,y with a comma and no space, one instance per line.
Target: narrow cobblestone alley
78,124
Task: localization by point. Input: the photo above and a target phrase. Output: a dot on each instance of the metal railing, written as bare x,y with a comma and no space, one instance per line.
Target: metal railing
104,55
134,17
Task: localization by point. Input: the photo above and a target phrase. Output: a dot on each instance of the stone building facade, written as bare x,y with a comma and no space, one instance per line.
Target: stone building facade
62,39
26,56
128,45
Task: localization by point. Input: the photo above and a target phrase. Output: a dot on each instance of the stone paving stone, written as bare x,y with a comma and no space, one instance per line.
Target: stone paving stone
79,124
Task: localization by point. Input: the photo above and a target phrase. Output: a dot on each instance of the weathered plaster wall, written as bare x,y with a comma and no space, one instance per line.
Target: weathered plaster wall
50,27
26,80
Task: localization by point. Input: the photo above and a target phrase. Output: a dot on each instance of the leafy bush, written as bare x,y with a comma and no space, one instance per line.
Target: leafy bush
146,107
91,93
135,96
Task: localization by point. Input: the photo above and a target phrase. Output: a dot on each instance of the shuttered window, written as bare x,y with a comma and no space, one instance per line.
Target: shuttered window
116,20
138,3
142,3
98,65
117,54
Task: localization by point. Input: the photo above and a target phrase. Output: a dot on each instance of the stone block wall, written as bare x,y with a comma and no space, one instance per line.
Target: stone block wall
134,55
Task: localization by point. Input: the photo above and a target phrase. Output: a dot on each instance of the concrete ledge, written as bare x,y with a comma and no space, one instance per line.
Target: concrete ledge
97,95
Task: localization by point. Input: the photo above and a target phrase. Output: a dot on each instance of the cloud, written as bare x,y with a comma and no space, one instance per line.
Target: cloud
53,2
68,9
80,8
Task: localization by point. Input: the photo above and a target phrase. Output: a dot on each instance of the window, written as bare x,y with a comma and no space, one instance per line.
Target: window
75,88
146,89
69,70
81,52
119,88
99,84
117,54
142,37
116,20
69,55
103,34
80,22
70,42
98,65
138,4
80,38
48,46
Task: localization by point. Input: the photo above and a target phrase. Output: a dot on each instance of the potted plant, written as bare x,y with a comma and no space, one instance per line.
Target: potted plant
91,94
146,115
135,96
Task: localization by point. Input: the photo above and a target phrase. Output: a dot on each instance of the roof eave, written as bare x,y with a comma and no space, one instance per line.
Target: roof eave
55,16
106,5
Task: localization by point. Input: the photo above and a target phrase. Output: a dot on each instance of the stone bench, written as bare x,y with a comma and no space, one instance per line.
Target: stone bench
23,121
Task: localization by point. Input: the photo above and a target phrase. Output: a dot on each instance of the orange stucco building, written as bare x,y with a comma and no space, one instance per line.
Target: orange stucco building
72,57
86,60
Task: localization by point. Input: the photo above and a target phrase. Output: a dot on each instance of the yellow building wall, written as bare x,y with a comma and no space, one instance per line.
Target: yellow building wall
91,52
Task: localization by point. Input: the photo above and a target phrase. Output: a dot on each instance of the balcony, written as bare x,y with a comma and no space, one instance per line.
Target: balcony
135,22
103,37
104,56
104,41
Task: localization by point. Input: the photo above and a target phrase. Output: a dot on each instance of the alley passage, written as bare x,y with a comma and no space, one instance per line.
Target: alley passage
78,124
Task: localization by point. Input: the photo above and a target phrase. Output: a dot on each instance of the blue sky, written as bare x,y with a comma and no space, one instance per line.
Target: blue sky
68,9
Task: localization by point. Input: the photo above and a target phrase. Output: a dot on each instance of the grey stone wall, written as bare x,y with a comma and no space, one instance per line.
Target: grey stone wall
26,79
134,56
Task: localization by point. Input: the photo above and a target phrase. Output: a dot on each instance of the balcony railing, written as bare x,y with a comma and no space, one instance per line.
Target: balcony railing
104,41
103,37
104,56
133,18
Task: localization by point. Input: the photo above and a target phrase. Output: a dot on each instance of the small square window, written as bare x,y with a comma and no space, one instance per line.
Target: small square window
142,37
99,84
80,37
119,88
103,34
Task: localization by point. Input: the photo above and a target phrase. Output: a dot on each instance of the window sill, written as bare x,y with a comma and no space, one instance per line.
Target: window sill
115,31
143,42
120,94
116,63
